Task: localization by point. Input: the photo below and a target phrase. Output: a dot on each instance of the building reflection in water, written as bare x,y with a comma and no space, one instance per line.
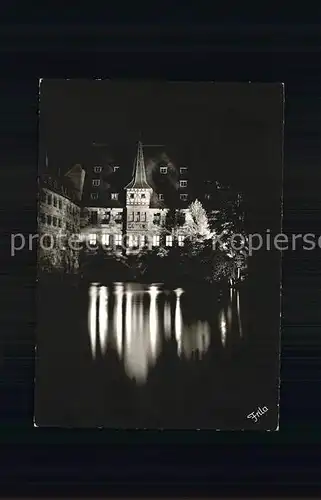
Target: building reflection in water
178,321
223,327
167,320
118,316
238,308
92,318
103,318
139,323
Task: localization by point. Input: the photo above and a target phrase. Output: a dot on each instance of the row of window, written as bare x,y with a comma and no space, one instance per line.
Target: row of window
57,202
98,168
56,222
134,240
97,182
163,170
137,217
132,217
115,196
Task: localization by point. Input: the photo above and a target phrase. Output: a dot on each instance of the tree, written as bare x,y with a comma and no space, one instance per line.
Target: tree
196,227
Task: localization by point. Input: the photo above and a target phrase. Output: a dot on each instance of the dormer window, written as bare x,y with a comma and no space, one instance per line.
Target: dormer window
114,196
163,170
183,170
115,168
96,182
161,197
207,196
97,169
182,184
94,196
183,197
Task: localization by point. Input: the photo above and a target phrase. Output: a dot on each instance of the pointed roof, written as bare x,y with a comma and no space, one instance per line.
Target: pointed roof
139,180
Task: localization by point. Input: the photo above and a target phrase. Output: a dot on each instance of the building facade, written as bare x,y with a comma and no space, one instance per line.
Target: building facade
136,215
58,218
104,210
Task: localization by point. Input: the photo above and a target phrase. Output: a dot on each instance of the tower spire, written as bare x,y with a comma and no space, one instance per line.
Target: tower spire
139,180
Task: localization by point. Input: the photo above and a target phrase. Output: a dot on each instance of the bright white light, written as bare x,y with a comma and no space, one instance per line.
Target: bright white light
92,318
223,328
167,320
178,321
128,316
153,320
239,312
118,317
103,318
136,350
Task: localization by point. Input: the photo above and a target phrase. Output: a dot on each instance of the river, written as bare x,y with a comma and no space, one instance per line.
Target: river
129,355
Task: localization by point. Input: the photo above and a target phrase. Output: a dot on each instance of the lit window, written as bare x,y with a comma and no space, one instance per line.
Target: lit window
94,196
156,240
92,239
183,197
97,169
163,170
105,239
183,184
114,196
117,239
207,196
142,240
181,241
183,170
161,197
132,240
96,182
169,240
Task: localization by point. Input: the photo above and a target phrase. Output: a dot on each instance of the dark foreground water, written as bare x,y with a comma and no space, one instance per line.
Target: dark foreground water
146,356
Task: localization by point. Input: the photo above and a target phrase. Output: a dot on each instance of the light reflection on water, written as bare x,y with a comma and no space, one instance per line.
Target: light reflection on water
137,321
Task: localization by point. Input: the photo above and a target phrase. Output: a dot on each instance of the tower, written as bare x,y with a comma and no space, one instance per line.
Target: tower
138,196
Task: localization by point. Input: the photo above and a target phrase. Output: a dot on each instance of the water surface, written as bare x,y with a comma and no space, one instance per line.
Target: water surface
143,356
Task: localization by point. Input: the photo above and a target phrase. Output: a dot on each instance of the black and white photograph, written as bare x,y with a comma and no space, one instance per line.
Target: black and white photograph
159,254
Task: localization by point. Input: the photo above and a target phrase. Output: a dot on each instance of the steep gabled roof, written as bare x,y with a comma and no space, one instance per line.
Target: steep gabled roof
139,180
